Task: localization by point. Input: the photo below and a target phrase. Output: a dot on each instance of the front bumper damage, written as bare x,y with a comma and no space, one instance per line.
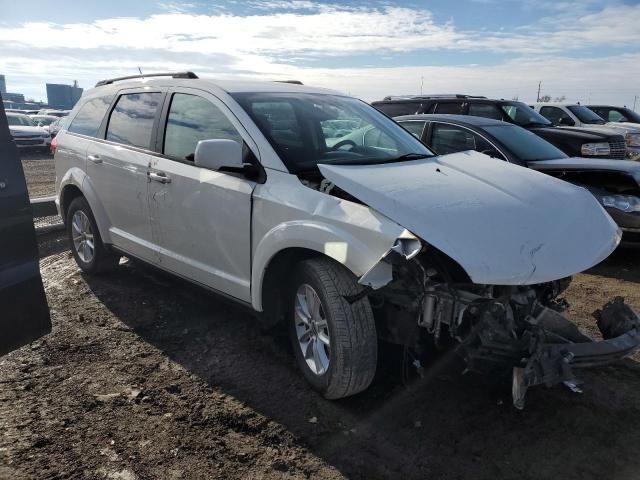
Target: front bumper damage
550,348
497,329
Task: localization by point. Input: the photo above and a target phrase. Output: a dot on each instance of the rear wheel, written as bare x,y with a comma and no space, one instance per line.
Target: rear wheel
91,255
334,341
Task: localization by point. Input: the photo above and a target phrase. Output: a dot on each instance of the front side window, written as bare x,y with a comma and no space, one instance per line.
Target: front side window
446,139
89,117
454,108
523,115
131,121
398,109
614,116
191,119
485,110
556,115
306,129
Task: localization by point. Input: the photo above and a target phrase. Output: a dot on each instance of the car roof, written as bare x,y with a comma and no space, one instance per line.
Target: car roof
228,86
461,119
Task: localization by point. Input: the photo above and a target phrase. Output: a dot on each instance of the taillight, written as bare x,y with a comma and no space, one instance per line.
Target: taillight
54,145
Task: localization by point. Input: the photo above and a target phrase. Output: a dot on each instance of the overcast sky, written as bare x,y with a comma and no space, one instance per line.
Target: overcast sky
584,50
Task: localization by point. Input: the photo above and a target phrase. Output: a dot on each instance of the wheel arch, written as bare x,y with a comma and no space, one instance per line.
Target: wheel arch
292,242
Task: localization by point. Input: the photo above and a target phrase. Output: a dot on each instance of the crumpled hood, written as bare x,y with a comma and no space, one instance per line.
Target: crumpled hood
504,224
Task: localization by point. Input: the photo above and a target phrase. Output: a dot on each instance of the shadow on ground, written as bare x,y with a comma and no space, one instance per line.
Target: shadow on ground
444,426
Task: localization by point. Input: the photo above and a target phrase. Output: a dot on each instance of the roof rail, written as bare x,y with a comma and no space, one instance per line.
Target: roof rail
428,97
145,75
294,82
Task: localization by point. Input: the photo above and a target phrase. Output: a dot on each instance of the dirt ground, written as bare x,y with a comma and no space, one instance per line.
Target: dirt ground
146,376
40,173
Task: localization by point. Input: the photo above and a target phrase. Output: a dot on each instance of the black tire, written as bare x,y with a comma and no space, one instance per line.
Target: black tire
104,259
353,347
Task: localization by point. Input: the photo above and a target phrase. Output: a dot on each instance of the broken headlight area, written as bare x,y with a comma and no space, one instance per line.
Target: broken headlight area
428,301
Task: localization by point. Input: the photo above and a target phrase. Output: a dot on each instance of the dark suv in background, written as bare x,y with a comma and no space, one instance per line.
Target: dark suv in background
574,141
615,114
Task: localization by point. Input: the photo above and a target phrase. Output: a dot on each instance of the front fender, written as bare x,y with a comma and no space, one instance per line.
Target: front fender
335,242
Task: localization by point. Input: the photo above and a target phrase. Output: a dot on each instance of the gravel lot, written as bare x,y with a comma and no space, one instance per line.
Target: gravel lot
40,173
146,376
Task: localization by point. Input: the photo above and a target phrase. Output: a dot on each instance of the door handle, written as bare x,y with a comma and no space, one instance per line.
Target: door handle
159,177
95,158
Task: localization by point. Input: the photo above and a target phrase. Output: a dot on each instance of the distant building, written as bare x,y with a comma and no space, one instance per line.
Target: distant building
63,96
13,97
3,85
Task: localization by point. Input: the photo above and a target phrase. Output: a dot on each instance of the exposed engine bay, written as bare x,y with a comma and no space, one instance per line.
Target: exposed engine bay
429,303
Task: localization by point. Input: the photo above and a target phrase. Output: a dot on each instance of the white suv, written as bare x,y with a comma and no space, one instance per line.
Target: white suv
256,191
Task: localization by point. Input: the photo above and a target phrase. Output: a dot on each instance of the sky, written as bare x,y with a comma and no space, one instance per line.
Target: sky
583,50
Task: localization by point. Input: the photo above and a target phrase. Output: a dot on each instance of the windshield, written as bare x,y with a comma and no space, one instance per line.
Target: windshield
585,115
307,129
523,115
20,121
44,120
631,115
524,144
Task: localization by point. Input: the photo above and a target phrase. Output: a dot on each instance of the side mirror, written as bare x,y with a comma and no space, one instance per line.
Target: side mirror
219,153
226,156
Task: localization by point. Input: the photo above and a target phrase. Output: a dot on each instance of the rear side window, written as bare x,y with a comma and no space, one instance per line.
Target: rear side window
89,117
191,119
449,107
131,121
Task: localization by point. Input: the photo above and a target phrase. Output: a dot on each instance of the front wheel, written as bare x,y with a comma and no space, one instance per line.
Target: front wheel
334,341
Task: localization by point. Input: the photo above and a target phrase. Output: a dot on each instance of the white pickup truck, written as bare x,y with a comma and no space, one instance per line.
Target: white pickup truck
576,115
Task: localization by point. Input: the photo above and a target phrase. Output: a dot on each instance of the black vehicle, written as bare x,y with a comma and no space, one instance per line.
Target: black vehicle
615,114
574,141
615,183
25,313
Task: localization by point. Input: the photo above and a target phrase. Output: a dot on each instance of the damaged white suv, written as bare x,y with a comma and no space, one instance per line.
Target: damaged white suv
253,191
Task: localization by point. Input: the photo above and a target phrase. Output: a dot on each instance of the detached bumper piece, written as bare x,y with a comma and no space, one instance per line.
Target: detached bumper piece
549,347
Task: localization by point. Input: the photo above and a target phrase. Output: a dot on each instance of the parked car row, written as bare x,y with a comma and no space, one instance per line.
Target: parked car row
26,133
594,141
316,210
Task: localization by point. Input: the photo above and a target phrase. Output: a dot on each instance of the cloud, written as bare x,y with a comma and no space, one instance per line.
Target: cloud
279,39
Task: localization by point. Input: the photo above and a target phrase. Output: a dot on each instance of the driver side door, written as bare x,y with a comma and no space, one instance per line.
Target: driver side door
200,219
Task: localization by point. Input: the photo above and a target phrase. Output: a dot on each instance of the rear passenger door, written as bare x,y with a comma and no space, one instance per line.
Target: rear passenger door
118,167
200,218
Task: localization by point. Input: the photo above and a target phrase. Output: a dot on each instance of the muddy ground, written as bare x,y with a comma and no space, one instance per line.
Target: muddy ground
146,376
40,173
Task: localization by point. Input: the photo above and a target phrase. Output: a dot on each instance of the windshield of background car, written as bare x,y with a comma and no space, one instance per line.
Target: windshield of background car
585,115
44,120
20,121
524,115
524,144
306,129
